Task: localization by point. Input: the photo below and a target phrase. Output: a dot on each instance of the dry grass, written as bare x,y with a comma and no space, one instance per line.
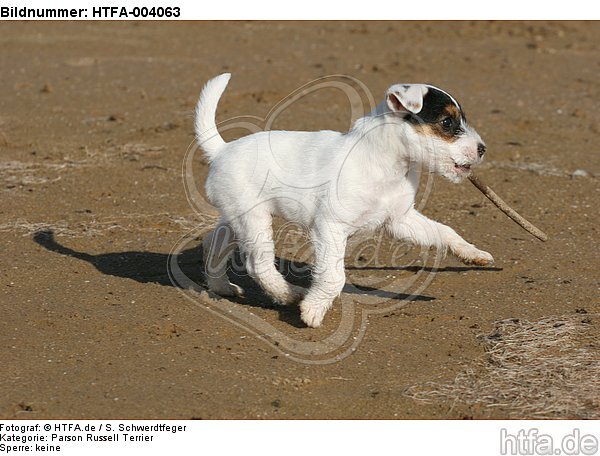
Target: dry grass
152,223
16,173
548,368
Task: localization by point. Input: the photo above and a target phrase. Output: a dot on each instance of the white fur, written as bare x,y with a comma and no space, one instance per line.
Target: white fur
206,129
334,183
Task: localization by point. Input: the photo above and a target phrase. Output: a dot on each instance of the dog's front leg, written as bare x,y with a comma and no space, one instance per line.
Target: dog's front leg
418,229
328,275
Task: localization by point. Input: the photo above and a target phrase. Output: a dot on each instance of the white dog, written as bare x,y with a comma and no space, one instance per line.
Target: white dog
335,184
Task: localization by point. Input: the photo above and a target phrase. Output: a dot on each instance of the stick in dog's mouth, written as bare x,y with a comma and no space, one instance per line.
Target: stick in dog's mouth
499,202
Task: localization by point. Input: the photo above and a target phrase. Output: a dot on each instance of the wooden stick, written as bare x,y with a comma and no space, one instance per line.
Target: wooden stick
499,202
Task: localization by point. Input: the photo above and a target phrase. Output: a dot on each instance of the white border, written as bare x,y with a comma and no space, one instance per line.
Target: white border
347,10
299,438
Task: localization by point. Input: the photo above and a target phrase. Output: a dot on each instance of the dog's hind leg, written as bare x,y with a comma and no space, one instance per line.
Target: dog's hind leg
255,238
328,275
217,247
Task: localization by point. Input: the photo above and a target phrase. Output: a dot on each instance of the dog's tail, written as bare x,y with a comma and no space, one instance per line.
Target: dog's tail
207,135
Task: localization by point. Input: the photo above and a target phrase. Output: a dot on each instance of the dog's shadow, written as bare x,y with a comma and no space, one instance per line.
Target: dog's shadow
151,267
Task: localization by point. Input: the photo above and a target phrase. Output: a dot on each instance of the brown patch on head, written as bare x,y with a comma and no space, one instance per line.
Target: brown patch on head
435,130
453,111
440,117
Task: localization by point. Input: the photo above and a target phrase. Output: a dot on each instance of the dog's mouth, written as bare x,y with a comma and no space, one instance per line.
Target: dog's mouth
462,169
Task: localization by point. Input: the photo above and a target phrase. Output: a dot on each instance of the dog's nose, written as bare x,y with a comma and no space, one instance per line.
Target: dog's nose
481,149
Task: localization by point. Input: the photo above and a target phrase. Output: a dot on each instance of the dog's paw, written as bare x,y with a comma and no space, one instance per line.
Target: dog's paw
312,314
227,289
483,259
473,255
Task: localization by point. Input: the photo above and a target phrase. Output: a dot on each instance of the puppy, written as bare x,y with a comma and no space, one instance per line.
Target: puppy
333,183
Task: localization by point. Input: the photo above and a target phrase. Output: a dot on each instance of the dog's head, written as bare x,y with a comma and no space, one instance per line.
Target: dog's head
437,123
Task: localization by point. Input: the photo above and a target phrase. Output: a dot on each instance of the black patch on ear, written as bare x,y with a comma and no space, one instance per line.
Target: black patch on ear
435,104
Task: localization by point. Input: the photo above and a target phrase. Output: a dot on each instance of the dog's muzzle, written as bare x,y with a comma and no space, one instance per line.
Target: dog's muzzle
481,149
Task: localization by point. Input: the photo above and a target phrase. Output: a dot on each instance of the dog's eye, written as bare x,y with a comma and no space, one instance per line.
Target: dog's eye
447,123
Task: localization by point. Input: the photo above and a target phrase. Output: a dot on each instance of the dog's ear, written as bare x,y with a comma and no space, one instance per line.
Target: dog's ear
404,98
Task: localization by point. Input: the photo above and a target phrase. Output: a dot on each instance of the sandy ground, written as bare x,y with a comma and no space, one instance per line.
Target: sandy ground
95,119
